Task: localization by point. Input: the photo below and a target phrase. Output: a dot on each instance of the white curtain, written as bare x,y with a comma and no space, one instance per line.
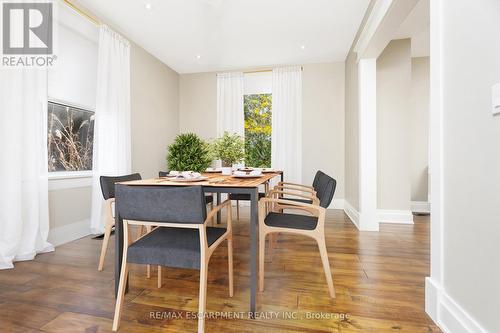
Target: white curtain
230,92
286,148
112,118
24,216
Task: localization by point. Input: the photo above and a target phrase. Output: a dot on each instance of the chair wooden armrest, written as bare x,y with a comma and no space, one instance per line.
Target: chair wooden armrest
295,184
228,233
218,208
313,198
314,209
295,188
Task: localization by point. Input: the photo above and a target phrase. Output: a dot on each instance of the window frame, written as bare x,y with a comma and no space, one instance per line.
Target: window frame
69,179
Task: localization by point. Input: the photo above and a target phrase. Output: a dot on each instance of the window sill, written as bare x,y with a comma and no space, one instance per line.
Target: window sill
67,180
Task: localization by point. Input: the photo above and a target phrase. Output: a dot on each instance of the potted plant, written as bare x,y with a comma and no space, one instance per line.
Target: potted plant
230,149
189,153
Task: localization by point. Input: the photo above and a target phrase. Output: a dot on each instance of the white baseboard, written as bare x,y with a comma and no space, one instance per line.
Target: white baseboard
68,233
352,213
420,207
446,312
432,294
395,216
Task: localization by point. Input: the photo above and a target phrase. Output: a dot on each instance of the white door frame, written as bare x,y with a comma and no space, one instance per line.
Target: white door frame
434,283
376,34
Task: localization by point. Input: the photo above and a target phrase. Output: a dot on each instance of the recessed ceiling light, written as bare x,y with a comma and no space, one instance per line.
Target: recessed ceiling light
302,47
147,6
198,56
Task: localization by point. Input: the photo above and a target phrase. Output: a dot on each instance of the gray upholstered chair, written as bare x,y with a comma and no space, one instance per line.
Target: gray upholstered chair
312,225
108,192
209,199
181,239
323,187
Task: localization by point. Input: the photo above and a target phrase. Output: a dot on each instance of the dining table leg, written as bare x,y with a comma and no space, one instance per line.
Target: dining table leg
219,212
253,250
118,250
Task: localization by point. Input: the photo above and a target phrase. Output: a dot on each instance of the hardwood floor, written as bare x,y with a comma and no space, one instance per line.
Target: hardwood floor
378,277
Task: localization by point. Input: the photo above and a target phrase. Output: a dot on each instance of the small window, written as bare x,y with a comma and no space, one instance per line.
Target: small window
70,138
257,109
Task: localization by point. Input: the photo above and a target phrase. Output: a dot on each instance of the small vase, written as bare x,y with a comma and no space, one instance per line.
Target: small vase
227,171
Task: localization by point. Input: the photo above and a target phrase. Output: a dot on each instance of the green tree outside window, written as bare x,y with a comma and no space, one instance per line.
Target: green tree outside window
257,110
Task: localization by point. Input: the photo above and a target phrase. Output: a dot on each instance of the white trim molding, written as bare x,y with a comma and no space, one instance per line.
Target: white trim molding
367,87
67,180
352,213
68,233
377,15
421,207
446,312
395,216
433,287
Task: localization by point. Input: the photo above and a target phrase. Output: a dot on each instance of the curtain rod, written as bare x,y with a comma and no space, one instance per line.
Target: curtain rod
82,12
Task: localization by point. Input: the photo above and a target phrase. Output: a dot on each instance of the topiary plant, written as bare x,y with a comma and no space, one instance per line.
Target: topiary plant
189,153
230,148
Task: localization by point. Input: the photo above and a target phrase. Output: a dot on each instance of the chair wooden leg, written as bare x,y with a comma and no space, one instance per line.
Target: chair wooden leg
270,245
159,276
121,296
230,264
123,282
262,255
148,267
326,264
212,208
203,295
238,210
105,241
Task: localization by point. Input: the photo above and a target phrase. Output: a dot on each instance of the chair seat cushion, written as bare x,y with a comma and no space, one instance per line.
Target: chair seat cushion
172,247
292,221
209,199
243,196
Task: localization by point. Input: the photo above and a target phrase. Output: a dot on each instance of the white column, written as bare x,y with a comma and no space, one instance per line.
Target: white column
434,283
367,82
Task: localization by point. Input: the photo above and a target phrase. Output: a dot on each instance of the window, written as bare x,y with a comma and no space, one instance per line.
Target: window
257,108
70,138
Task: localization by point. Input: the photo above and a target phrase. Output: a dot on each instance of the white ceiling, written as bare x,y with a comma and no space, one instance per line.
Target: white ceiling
417,27
213,35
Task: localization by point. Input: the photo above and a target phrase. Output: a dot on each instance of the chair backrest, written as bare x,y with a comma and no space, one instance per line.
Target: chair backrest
316,178
108,183
163,173
324,186
184,204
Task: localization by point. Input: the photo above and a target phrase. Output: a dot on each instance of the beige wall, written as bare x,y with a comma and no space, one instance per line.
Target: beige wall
323,98
352,120
393,126
69,206
471,136
155,122
351,132
419,101
198,104
323,122
154,90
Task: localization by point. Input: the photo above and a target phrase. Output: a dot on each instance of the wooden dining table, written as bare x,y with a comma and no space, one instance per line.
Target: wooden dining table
218,184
